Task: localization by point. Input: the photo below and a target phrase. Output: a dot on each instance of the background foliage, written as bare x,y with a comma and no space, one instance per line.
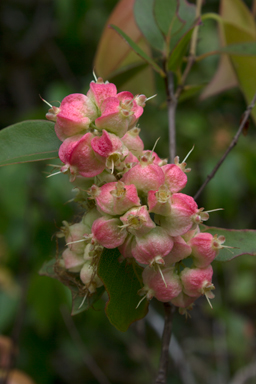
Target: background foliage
48,48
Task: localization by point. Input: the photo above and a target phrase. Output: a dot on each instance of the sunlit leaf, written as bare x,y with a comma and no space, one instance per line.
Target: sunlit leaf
138,50
243,241
122,282
30,140
144,16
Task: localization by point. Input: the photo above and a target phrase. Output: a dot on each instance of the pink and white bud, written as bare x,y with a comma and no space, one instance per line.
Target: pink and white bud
52,113
197,281
180,219
152,247
153,158
180,251
73,261
89,277
89,217
183,300
74,116
133,142
159,201
115,198
137,221
79,157
205,248
175,178
154,285
107,232
73,234
107,144
100,91
145,176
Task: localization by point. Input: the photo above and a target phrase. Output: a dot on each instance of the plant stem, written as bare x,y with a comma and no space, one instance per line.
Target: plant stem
166,338
171,104
231,146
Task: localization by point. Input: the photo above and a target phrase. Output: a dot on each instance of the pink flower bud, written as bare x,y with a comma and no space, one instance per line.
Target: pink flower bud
183,300
197,281
73,234
154,285
175,178
159,201
89,277
137,221
133,142
180,220
107,232
127,246
145,176
115,198
205,248
73,261
74,116
52,113
152,247
180,251
100,91
153,158
79,158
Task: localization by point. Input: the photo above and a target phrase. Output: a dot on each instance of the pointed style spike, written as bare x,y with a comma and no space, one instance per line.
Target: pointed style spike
53,174
144,297
82,303
151,97
74,242
207,298
161,273
46,102
191,150
94,75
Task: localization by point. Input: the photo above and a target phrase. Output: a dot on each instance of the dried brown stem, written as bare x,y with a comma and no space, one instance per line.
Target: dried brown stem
231,146
166,338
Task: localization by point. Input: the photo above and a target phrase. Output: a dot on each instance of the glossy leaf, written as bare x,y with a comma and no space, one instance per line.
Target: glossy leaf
28,141
138,50
176,56
122,282
165,12
144,16
243,241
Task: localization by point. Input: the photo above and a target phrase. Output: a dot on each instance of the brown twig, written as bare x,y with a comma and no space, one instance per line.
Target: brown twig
166,338
231,146
171,105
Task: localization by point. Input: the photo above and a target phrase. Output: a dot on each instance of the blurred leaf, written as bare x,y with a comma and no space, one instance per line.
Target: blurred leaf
165,12
144,16
186,20
122,282
190,91
243,241
30,140
176,56
8,307
112,51
237,13
247,48
138,50
118,77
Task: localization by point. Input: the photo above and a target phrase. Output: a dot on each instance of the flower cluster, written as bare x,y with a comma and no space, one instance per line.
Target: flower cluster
132,197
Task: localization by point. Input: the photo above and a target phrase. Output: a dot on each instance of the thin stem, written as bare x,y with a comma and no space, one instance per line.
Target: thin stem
166,338
231,146
172,105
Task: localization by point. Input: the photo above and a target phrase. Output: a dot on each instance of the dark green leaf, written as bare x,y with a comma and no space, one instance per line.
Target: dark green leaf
124,74
165,13
80,302
138,50
31,140
122,282
144,16
190,91
243,241
247,48
186,19
176,56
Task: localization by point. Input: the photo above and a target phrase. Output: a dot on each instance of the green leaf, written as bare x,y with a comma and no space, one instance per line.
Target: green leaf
243,241
176,56
138,50
247,48
165,13
144,16
122,282
186,19
30,140
80,302
126,73
190,91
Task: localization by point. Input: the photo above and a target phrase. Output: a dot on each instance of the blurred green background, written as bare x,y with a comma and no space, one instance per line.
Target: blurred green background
47,48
